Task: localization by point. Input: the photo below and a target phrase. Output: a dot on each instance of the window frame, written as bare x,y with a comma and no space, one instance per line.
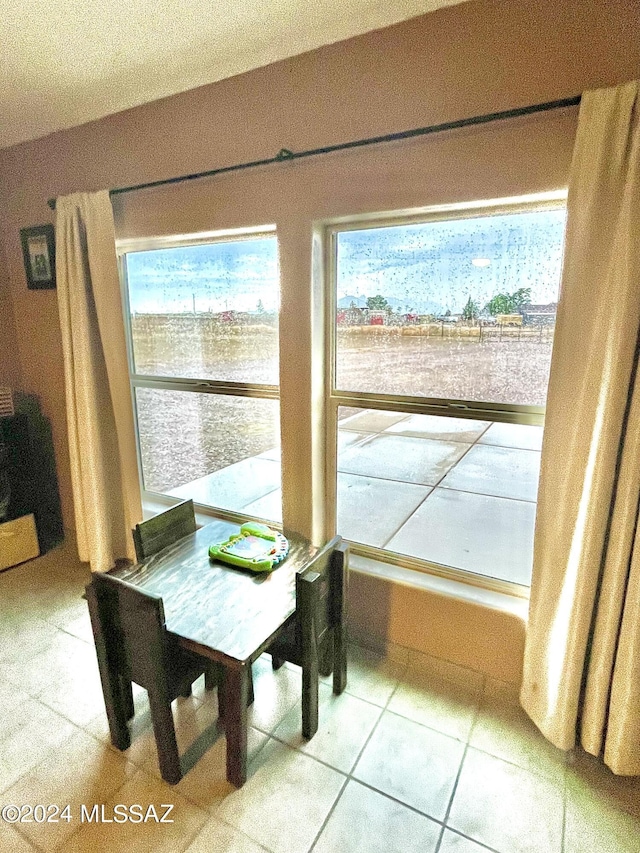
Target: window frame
465,409
175,383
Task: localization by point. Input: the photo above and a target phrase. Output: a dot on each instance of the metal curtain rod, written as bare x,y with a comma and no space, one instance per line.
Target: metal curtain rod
285,155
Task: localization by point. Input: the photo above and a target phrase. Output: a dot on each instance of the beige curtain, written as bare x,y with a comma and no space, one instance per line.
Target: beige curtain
102,446
581,677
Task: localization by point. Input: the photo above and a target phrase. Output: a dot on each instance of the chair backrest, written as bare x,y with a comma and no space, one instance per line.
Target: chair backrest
320,590
134,623
163,529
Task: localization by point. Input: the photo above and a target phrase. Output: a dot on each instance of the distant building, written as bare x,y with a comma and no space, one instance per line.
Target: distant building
539,315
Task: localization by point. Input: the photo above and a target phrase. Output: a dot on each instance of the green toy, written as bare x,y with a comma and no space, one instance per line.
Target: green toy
256,547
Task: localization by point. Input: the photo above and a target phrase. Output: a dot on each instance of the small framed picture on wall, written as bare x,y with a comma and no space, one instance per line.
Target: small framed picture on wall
39,252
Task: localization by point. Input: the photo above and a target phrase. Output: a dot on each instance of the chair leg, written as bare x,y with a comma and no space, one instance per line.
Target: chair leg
127,698
187,692
308,600
276,662
212,677
165,734
326,657
236,694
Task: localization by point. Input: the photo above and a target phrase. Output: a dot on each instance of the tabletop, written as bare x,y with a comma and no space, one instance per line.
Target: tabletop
216,606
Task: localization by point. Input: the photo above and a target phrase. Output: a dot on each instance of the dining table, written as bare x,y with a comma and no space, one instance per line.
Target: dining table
224,613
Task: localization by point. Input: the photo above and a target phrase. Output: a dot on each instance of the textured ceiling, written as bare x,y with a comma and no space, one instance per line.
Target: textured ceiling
66,62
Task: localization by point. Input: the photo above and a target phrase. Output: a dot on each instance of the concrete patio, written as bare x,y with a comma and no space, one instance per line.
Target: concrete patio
461,493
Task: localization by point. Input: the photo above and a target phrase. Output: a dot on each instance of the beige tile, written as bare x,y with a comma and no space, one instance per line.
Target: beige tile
503,472
506,807
143,836
344,725
411,763
597,821
370,510
80,771
591,774
371,420
275,694
514,435
443,705
454,843
219,837
503,729
205,784
440,668
75,695
364,820
486,535
12,841
440,428
34,670
35,731
410,460
235,486
371,675
285,800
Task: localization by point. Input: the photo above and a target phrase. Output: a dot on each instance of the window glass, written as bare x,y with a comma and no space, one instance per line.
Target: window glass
206,311
461,309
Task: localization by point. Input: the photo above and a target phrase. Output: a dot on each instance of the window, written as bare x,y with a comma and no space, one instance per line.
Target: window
441,349
203,333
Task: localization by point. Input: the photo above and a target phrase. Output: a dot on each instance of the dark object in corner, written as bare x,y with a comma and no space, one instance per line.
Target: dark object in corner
29,467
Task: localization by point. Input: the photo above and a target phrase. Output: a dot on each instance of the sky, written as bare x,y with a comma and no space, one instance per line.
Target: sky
426,267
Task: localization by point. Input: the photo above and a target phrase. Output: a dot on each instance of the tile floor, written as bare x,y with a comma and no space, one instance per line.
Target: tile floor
417,756
453,491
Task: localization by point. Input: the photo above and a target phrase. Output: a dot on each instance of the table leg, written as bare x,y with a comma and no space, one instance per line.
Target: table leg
236,693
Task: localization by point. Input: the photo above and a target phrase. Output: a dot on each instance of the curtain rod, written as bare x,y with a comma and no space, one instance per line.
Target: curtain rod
285,155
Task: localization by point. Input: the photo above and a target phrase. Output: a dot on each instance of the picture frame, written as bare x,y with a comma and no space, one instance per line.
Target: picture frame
39,253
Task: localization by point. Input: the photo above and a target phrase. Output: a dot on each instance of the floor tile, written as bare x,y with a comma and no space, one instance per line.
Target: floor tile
146,836
218,837
371,420
370,510
596,821
275,694
344,726
514,435
285,800
409,460
503,472
235,486
492,536
507,808
269,506
364,820
12,841
440,428
435,702
411,763
503,729
371,676
454,843
80,771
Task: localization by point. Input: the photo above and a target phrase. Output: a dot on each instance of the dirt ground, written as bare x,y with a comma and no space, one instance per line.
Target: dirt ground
184,435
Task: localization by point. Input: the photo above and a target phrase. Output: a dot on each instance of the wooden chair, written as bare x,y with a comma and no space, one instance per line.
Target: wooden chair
163,529
315,639
132,644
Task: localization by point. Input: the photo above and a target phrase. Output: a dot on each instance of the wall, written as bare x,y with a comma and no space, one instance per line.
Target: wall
479,57
9,356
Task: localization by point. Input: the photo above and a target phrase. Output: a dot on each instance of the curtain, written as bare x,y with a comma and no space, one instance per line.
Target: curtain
581,680
102,447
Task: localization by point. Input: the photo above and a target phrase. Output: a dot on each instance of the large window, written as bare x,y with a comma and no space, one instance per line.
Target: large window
441,352
203,323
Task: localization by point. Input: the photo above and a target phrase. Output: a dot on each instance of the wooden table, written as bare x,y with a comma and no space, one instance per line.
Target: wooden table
223,613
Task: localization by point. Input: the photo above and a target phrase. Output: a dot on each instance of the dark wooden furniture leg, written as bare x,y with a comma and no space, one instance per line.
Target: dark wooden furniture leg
165,734
339,606
236,692
308,596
